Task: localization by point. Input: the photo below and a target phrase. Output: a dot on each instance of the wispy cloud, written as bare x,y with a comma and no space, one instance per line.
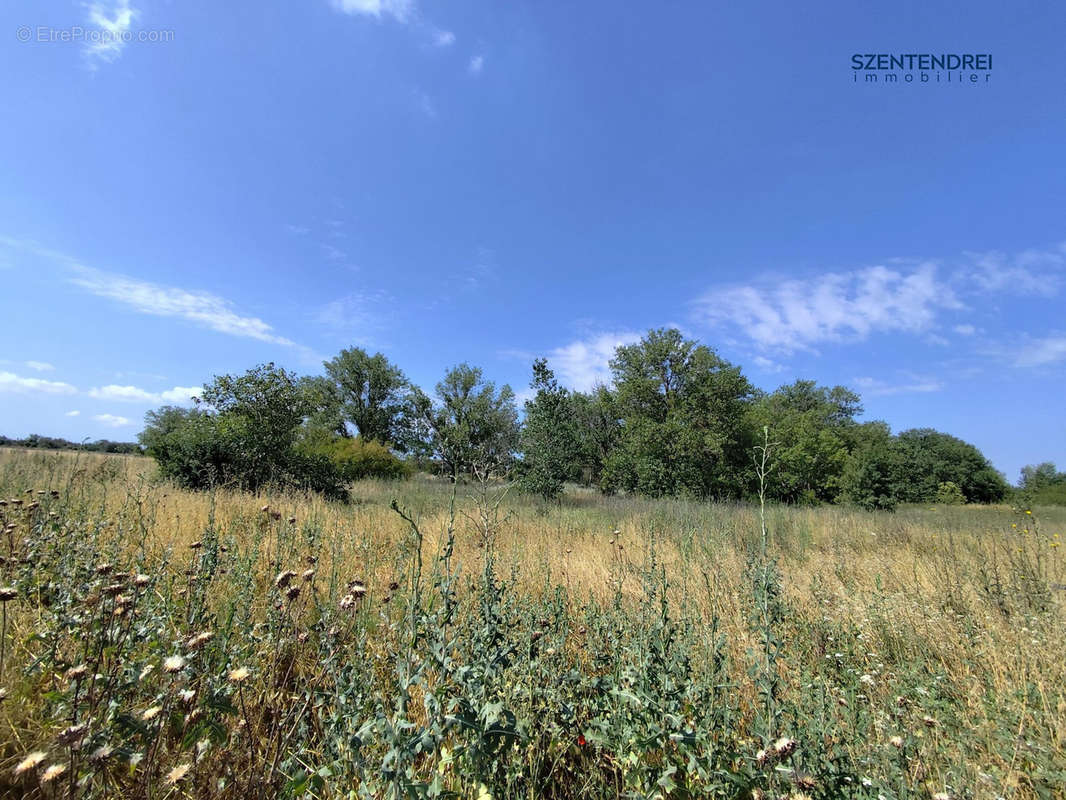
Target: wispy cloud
72,413
40,366
874,387
10,382
584,363
768,364
202,308
477,63
355,315
801,314
965,330
111,23
424,103
1033,271
400,10
134,394
1040,352
112,420
444,39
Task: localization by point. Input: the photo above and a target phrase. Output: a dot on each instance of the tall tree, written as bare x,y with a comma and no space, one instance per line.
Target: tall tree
549,437
682,408
472,426
373,395
811,424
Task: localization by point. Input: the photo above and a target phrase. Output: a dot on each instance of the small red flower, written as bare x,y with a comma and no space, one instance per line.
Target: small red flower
581,740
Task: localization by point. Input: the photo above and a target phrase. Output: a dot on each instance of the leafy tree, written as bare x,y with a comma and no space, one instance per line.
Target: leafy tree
811,424
682,411
949,493
472,426
1039,476
597,428
549,438
873,469
933,458
372,394
243,433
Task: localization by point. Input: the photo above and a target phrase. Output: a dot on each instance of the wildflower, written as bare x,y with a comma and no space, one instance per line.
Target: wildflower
238,675
292,592
929,722
78,672
265,509
784,746
53,772
761,757
199,640
196,545
146,671
8,593
151,713
896,741
947,795
357,588
187,695
283,579
101,753
178,773
867,679
581,741
347,602
104,569
3,695
292,520
174,664
114,589
308,574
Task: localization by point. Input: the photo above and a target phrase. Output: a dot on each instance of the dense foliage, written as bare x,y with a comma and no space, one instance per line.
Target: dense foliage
677,420
37,442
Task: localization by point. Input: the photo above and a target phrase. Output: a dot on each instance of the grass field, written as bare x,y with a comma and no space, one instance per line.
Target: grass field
161,643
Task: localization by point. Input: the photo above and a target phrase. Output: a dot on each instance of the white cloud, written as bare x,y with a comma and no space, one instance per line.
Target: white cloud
767,364
874,387
40,366
1032,271
111,420
10,382
134,394
584,363
965,330
202,308
444,39
401,10
110,26
477,63
72,414
799,314
1042,351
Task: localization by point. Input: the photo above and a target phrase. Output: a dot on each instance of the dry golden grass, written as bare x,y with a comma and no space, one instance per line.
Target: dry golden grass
956,590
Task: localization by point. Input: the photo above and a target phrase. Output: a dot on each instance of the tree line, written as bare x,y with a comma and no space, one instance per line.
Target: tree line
676,420
37,442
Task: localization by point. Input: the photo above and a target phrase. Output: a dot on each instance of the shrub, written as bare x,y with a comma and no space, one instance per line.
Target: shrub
357,458
949,493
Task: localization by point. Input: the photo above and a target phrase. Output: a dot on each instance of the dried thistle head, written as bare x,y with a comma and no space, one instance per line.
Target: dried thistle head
238,675
8,593
896,741
78,672
73,734
173,664
30,762
53,772
292,592
199,640
284,578
784,747
151,713
308,575
177,773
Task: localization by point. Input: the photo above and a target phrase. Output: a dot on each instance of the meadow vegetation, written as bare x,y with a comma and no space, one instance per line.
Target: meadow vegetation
431,638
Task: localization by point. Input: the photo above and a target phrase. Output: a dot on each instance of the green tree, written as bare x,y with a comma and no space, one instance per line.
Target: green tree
811,424
1040,476
549,437
873,469
243,433
472,426
373,395
597,427
933,458
682,410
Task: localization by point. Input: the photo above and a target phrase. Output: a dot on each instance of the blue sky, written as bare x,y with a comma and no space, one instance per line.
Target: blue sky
489,182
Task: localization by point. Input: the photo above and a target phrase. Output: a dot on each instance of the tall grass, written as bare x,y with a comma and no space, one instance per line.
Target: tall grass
472,642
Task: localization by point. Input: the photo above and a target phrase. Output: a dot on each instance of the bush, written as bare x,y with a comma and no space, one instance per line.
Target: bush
357,458
949,493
